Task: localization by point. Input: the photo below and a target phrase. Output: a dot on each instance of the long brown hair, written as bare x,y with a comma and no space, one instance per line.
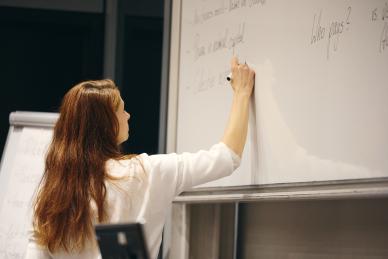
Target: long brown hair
85,137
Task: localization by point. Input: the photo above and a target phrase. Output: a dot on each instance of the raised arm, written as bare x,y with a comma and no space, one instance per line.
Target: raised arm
242,82
186,170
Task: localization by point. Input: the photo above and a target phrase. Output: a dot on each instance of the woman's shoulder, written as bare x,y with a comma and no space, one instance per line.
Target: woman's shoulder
128,165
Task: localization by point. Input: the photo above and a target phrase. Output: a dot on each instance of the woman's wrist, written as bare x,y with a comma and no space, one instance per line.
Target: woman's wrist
242,94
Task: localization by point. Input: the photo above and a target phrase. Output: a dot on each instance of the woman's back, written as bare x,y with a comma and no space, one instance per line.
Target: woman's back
145,188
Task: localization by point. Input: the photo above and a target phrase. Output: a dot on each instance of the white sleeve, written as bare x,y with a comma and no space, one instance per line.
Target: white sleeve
186,170
34,251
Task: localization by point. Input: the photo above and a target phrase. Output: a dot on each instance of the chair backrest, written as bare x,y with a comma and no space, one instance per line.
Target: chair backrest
121,241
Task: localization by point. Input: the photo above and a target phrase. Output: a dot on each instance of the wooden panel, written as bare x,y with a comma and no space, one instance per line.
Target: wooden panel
204,231
314,229
212,231
227,217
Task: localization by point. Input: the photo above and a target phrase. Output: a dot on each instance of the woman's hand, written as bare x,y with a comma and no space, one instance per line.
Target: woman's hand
243,78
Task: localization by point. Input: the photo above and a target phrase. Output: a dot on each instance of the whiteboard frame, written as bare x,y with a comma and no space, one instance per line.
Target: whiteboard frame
173,91
364,184
320,190
178,231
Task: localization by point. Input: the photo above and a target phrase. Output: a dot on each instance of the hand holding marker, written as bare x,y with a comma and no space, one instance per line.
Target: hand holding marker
229,77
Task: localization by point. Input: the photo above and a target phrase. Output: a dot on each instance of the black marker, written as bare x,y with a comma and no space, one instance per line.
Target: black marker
229,77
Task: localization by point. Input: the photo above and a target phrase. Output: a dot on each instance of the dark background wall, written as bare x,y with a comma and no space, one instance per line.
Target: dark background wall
48,46
141,80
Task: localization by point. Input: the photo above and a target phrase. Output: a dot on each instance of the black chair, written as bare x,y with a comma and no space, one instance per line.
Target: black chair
121,241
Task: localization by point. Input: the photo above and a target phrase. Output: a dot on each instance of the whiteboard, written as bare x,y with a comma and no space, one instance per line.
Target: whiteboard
22,167
320,102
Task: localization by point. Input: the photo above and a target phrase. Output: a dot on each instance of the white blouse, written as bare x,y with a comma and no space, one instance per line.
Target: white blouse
146,188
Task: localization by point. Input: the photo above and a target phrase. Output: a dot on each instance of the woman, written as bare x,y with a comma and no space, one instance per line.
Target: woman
88,181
